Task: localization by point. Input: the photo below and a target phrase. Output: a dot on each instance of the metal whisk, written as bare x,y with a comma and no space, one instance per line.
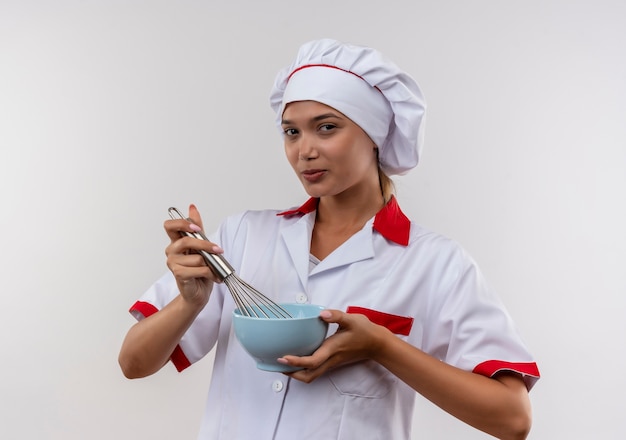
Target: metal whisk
249,301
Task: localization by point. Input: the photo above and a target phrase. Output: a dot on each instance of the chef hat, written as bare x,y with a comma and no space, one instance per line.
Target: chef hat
366,87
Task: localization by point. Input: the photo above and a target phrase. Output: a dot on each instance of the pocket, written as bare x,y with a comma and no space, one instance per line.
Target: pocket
369,379
362,379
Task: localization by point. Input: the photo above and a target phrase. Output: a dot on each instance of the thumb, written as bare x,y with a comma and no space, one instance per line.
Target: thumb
331,316
194,215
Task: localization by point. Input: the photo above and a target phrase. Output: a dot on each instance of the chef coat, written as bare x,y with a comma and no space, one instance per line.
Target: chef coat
422,286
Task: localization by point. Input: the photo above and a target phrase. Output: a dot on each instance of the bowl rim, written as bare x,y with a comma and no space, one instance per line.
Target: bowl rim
239,316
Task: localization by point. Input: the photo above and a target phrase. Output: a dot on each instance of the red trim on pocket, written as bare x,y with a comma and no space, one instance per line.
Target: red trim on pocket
489,368
178,357
399,325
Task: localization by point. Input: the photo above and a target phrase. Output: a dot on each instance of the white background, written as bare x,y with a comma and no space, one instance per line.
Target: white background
112,111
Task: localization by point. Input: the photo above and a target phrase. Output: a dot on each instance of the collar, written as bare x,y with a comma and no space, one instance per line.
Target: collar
390,221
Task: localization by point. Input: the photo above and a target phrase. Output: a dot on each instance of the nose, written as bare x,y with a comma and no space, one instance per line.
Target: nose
306,148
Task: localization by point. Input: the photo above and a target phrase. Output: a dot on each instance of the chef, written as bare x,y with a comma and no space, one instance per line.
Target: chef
409,310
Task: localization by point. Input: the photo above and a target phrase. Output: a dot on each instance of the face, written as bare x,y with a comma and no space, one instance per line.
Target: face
330,154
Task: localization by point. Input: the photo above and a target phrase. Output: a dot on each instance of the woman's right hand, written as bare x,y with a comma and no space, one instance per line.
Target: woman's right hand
150,342
194,278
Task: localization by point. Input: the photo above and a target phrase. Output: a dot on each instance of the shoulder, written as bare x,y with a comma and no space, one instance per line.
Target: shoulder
444,255
250,218
259,223
248,234
422,238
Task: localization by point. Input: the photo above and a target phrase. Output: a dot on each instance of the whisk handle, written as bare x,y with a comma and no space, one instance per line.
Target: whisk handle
216,262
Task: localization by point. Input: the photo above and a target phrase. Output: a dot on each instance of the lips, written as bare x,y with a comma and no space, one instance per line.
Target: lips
313,175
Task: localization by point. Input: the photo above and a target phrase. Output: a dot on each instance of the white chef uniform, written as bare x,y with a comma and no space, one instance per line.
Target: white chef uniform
421,285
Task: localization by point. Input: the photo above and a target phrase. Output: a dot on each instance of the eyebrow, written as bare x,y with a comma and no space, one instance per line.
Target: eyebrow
315,118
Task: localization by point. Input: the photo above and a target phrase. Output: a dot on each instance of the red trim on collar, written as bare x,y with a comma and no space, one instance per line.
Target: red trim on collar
390,221
308,206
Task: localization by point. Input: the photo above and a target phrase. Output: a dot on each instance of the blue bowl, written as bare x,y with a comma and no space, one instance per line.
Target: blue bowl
267,339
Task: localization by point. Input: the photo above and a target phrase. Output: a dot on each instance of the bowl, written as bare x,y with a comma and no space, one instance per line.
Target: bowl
267,339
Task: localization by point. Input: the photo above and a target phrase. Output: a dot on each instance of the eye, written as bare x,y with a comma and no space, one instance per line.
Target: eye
327,127
290,131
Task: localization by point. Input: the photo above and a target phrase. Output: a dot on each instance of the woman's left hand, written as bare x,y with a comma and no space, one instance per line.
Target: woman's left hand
356,339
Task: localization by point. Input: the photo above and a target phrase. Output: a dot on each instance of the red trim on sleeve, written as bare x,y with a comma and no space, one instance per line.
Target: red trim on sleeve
399,325
178,357
489,368
146,309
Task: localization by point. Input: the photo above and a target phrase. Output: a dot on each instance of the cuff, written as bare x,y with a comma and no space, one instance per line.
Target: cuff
528,370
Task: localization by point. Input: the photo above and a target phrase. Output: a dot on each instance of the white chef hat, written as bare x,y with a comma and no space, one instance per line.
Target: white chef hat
366,87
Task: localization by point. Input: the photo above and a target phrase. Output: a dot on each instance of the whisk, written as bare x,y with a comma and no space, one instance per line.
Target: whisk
249,300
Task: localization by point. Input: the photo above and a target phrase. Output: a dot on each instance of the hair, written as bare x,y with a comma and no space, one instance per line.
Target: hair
387,186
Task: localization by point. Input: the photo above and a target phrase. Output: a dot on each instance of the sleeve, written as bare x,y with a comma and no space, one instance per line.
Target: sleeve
474,330
153,300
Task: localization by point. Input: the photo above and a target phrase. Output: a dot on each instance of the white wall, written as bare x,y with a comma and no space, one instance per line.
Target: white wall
112,111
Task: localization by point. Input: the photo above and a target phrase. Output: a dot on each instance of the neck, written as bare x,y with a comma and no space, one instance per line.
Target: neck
349,209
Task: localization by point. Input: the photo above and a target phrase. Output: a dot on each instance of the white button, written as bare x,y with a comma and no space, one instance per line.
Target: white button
301,298
277,386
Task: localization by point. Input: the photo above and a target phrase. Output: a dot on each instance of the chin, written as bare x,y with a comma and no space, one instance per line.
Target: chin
319,194
312,190
319,190
315,194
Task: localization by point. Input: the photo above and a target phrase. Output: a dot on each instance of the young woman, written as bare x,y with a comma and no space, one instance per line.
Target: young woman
409,309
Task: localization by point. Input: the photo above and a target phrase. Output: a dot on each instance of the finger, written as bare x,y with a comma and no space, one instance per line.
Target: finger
307,362
187,273
188,266
332,316
308,375
319,357
194,216
174,228
190,260
192,224
325,351
187,245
